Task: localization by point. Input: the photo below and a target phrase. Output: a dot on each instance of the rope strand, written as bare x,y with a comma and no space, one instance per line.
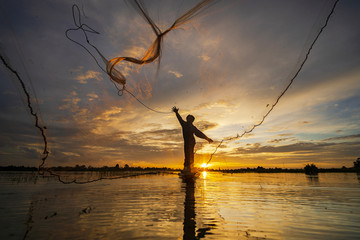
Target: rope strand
137,99
286,88
37,125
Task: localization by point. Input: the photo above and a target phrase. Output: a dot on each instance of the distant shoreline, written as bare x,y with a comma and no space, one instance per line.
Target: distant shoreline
83,168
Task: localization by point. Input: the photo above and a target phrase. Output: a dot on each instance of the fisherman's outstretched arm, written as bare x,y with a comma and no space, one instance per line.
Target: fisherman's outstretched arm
200,134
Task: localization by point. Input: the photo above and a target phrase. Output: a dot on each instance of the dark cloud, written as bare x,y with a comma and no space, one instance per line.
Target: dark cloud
349,137
327,153
277,140
205,125
161,133
297,147
285,134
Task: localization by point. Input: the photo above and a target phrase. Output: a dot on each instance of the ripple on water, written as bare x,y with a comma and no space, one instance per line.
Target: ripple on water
221,206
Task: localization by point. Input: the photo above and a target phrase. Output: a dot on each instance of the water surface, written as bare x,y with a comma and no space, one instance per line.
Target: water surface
221,206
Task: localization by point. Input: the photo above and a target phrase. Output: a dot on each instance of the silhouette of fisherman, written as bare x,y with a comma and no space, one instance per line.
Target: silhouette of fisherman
189,130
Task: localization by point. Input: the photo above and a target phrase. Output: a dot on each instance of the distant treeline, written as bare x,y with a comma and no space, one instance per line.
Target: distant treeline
258,169
85,168
18,168
284,170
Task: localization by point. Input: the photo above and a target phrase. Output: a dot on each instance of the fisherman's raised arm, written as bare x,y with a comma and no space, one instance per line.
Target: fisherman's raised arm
176,111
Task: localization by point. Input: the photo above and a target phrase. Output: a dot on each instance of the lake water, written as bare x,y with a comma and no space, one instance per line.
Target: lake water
220,206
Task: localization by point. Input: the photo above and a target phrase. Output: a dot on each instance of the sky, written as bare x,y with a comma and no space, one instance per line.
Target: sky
226,67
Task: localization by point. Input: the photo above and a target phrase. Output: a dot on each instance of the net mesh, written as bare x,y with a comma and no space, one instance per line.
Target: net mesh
153,53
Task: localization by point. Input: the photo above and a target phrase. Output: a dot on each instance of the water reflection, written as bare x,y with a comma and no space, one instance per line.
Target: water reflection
222,206
190,232
313,179
204,174
189,209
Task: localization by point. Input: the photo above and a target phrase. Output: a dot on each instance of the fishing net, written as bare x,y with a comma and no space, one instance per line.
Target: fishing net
152,54
212,78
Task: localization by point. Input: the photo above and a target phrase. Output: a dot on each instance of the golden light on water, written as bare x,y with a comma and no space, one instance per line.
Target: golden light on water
204,173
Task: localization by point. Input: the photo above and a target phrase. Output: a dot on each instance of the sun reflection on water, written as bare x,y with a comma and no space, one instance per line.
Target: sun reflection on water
212,206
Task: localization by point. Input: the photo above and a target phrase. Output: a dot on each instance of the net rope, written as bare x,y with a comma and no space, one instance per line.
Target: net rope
151,55
294,76
42,128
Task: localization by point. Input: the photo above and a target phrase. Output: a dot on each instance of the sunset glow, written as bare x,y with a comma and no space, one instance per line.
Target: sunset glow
191,119
227,77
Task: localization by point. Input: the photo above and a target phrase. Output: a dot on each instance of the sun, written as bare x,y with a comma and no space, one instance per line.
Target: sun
205,165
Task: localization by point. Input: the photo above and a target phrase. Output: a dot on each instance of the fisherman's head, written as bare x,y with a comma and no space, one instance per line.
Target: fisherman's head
190,118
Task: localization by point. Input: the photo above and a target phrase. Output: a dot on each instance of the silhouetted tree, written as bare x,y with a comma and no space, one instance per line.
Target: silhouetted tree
311,169
357,164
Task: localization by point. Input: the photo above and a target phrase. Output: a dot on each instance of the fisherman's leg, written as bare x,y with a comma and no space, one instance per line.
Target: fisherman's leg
191,155
187,157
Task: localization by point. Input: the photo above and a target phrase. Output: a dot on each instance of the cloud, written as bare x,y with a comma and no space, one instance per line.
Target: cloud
285,134
291,148
92,96
177,74
204,57
349,137
278,140
109,114
90,74
205,125
135,51
70,103
228,105
71,154
226,75
89,148
327,153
